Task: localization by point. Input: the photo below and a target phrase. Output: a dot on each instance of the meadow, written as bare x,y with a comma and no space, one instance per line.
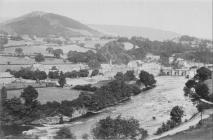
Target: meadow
49,94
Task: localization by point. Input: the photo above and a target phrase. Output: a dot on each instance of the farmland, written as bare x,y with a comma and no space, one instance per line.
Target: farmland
49,94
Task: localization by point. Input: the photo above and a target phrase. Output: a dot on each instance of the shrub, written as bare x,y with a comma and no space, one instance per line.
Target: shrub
64,133
85,87
119,128
95,72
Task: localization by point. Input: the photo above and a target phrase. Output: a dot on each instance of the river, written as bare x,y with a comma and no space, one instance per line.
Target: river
156,102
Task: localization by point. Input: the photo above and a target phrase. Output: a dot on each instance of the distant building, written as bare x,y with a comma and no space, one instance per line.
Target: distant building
152,57
169,71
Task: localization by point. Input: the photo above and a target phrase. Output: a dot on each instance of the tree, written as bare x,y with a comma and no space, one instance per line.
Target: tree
64,133
97,46
19,51
95,72
129,75
49,50
176,114
119,76
202,91
94,64
39,57
203,73
62,80
147,79
57,53
29,94
119,128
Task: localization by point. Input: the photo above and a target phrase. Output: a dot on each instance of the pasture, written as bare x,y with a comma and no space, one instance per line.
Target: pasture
49,94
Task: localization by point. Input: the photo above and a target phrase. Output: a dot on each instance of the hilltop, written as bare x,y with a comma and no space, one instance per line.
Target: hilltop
42,24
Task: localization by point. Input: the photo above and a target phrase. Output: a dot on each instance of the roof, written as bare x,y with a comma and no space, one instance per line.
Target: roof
5,75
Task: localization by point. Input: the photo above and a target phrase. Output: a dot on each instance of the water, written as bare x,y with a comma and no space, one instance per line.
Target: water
156,102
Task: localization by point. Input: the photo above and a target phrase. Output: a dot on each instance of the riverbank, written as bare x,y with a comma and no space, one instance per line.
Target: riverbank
203,131
156,102
179,131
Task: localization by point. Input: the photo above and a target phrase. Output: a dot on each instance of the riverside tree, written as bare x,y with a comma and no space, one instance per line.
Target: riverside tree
147,79
119,128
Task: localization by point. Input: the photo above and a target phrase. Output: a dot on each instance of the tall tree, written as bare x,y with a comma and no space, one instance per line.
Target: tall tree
119,128
30,94
19,51
39,57
62,80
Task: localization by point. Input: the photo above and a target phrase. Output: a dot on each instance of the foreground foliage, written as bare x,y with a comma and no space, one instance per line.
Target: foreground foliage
119,128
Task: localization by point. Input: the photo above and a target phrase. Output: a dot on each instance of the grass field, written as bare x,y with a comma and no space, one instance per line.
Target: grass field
49,94
202,132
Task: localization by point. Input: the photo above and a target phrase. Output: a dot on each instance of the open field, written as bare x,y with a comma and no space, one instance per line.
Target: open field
50,94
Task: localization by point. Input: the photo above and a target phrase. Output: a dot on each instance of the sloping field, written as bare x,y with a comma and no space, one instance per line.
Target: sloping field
50,94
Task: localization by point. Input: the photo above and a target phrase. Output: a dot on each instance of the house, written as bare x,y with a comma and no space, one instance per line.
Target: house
6,77
152,57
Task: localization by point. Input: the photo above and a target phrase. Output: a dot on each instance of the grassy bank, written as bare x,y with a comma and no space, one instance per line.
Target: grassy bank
202,131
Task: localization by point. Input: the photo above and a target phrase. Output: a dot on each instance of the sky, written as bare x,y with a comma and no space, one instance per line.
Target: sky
191,17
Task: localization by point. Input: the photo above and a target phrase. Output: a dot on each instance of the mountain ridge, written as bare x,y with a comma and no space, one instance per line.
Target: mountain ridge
128,31
43,23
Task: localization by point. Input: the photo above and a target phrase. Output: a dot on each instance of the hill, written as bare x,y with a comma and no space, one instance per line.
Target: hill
128,31
42,24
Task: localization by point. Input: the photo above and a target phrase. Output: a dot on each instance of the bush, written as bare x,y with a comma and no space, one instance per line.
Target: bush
95,72
129,76
85,87
25,73
170,124
83,73
73,74
64,133
53,74
147,79
176,115
39,57
119,128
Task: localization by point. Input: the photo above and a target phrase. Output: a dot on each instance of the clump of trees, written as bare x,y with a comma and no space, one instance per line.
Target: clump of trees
95,72
72,74
196,89
19,52
176,115
57,53
87,87
26,73
39,58
15,112
119,128
62,79
128,76
147,79
64,133
92,59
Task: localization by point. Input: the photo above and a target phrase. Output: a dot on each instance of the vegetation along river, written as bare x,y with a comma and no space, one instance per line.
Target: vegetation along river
156,102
